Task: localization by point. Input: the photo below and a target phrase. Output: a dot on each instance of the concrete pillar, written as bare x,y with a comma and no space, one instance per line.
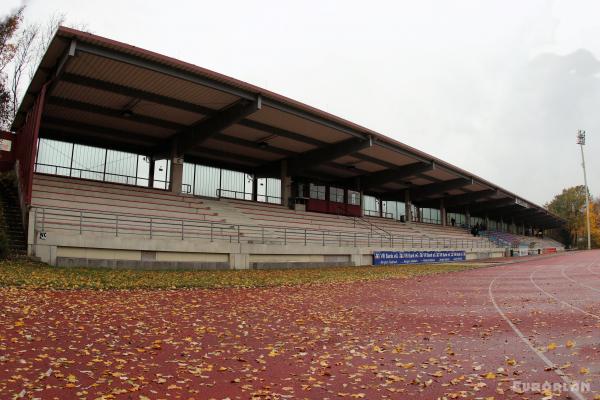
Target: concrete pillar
255,188
443,213
468,217
176,168
407,208
151,167
239,261
176,174
286,184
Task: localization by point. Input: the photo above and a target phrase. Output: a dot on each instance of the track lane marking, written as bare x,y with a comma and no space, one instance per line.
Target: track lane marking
562,271
541,355
559,300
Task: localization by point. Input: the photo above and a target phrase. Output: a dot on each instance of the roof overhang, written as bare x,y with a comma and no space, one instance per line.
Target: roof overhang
108,93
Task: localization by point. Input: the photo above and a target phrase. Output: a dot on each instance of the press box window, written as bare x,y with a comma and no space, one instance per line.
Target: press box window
353,198
317,192
336,195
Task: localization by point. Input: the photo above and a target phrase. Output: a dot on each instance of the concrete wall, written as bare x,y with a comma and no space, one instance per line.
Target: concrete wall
101,250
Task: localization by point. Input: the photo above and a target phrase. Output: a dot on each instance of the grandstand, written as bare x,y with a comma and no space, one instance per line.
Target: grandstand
127,158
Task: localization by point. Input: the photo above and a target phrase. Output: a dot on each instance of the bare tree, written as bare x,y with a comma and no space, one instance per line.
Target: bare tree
21,52
8,48
23,57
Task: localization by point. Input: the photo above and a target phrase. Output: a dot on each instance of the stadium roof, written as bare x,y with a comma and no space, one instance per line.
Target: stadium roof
110,94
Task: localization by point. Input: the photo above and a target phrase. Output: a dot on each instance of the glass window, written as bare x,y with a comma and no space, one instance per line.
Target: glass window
336,195
353,198
317,192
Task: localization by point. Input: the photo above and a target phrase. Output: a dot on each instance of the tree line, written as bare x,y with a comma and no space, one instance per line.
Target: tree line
570,205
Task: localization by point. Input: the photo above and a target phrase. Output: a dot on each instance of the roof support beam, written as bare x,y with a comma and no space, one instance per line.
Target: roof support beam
94,140
199,132
99,131
486,206
379,178
136,93
461,200
116,55
60,67
310,159
201,110
423,192
503,211
314,158
112,112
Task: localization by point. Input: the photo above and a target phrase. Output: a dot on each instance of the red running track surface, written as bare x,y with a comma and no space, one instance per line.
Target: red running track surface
431,337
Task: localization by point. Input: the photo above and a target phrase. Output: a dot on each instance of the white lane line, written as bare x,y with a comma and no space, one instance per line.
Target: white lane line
541,355
562,271
589,268
559,300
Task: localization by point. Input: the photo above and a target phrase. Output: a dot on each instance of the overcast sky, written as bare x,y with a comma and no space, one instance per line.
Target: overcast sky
498,88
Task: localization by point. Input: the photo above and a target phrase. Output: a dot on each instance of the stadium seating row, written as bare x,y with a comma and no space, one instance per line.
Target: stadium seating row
59,193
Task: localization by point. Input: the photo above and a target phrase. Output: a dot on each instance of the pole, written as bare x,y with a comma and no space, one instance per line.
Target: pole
587,200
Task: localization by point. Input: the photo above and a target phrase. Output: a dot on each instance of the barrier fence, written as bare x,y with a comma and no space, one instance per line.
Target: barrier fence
131,225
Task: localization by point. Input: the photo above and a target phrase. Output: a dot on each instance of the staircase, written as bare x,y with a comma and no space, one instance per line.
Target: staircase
10,218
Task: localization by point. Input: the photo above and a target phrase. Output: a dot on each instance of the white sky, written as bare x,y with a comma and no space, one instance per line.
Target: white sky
496,87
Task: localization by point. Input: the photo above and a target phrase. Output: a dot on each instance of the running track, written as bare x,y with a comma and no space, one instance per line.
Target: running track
460,335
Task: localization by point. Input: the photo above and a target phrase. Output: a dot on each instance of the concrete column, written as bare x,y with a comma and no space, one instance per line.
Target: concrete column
239,261
176,169
468,217
286,184
443,213
176,174
407,208
255,188
151,166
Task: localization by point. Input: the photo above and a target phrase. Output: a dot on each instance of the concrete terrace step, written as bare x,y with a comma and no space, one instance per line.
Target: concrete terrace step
42,197
124,195
109,187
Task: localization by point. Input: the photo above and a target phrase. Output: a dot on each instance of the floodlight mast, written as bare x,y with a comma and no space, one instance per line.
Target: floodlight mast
581,142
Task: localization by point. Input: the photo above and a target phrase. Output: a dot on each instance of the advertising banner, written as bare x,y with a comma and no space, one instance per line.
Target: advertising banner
416,257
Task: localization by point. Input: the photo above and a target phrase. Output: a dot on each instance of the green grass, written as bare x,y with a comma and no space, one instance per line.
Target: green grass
28,274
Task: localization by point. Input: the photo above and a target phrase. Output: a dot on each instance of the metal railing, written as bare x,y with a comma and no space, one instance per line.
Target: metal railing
238,195
102,176
48,219
375,213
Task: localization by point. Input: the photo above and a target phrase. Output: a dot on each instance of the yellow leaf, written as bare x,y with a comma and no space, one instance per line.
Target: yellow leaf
71,378
511,361
490,375
584,371
551,346
570,343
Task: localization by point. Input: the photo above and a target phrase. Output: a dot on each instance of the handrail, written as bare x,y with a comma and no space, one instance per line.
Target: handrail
118,224
249,194
103,173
